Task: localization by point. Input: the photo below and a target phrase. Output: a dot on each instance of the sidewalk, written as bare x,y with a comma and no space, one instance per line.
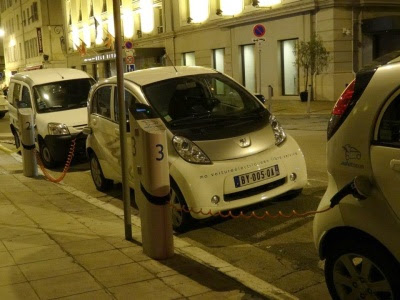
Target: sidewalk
58,242
296,107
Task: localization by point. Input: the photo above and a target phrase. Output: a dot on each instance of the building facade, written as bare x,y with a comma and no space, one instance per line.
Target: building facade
214,33
33,35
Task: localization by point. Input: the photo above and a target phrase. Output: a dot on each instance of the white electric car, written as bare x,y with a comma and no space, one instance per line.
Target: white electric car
359,238
225,149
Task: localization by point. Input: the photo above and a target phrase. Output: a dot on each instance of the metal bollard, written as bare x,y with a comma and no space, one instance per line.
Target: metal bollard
26,125
270,95
309,99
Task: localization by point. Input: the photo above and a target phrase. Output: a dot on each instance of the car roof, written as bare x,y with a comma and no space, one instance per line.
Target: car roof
42,76
147,76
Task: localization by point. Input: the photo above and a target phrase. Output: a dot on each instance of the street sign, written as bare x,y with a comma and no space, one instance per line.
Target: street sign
259,30
128,45
129,60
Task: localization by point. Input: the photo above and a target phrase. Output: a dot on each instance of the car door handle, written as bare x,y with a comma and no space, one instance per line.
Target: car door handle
116,131
395,165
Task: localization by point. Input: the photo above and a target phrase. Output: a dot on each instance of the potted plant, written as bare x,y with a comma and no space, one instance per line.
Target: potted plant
312,58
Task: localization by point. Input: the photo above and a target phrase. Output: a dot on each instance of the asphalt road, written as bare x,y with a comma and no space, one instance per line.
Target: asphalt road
279,251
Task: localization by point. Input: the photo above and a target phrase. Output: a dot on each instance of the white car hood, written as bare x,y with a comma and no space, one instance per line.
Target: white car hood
75,119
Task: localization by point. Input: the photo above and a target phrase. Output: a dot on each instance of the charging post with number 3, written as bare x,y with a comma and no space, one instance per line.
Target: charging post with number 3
151,180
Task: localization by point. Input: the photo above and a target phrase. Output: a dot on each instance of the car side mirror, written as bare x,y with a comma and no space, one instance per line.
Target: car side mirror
87,130
261,98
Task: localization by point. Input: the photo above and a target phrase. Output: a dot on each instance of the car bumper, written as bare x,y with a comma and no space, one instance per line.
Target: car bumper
59,146
199,183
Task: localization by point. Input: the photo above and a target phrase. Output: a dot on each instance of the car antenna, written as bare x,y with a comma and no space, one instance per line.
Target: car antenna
166,56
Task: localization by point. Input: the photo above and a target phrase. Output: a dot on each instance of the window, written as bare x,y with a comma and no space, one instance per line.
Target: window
25,99
16,92
218,64
389,129
289,69
248,68
218,60
199,10
34,9
101,102
189,59
129,100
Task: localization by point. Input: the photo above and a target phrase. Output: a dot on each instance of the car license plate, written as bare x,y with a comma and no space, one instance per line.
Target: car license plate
256,176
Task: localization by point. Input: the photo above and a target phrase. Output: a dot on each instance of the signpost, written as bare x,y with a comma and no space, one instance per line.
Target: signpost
259,31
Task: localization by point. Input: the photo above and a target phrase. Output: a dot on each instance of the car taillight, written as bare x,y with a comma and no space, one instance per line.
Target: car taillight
343,102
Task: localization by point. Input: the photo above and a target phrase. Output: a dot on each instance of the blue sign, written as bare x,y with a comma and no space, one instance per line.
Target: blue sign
259,30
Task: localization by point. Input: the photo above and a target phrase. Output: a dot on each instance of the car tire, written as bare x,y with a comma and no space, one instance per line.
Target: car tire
45,156
344,273
181,219
2,114
102,184
16,139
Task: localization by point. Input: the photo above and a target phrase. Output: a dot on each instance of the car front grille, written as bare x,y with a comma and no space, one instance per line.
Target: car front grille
254,191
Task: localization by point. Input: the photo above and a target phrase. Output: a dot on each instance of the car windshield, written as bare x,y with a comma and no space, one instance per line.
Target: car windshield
198,100
62,95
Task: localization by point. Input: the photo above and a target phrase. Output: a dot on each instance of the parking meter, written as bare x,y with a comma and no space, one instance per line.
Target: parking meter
151,180
26,125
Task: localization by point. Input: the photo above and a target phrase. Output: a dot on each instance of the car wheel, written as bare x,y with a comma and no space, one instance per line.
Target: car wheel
181,219
2,114
102,184
361,269
45,156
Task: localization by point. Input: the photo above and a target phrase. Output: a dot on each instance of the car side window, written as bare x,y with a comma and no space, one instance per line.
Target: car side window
389,129
25,99
129,99
16,93
101,102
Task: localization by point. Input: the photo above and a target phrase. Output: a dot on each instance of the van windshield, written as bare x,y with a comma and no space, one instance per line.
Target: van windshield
62,95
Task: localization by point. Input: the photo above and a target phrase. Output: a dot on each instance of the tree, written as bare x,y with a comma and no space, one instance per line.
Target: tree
312,57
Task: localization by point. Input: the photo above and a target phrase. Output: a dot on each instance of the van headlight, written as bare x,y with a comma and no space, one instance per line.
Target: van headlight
189,151
280,135
57,129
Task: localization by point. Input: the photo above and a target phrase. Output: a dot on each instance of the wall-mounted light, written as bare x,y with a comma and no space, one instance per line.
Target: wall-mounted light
219,12
2,32
189,20
147,16
231,7
129,28
199,10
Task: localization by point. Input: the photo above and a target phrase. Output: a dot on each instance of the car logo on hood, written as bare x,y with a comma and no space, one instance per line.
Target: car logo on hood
244,142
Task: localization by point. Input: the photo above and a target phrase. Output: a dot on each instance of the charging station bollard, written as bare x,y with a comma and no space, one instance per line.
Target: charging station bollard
270,95
151,181
26,125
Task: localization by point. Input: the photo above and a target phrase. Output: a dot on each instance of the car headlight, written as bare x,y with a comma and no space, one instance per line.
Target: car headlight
280,135
57,129
189,151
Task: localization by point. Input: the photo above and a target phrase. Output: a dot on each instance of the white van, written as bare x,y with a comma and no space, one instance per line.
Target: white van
58,98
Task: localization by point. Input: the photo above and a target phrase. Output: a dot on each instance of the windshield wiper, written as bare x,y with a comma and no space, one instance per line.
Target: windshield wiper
191,118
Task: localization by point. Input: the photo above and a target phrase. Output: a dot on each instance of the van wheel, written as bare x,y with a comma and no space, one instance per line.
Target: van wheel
16,140
102,184
181,219
361,269
45,156
2,114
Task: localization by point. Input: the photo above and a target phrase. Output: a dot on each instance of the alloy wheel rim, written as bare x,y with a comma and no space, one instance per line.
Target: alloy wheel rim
357,277
177,213
95,171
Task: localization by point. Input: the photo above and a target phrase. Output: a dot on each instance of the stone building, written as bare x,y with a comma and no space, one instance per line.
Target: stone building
33,35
